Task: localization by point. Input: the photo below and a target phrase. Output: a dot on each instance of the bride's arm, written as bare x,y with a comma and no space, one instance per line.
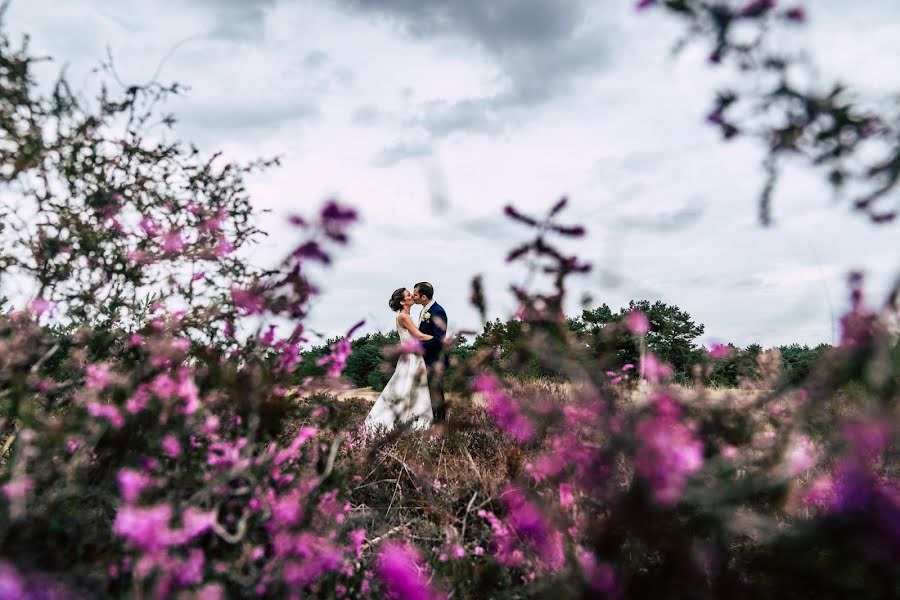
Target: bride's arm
407,324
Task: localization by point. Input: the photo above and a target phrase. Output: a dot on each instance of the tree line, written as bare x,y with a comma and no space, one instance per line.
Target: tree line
600,332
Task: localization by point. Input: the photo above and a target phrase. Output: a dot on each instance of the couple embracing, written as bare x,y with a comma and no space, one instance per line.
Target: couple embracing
415,393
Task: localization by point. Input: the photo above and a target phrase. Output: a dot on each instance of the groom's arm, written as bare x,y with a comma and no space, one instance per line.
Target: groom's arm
438,329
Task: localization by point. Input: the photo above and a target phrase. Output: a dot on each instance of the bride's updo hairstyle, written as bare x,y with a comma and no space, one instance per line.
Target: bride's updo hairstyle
396,301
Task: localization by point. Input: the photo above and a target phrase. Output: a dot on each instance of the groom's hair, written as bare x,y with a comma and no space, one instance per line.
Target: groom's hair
426,289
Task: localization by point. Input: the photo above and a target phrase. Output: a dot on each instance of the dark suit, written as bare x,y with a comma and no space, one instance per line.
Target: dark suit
436,359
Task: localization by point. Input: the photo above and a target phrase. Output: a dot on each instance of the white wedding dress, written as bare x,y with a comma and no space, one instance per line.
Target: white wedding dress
405,398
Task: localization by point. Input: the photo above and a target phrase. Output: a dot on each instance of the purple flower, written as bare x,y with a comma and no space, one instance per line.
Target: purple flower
340,352
171,446
293,451
336,219
195,522
637,323
796,14
668,451
16,489
503,409
39,306
401,571
172,242
600,576
654,369
756,8
800,455
312,251
644,4
249,300
146,528
719,351
105,411
148,226
97,376
223,248
12,586
131,483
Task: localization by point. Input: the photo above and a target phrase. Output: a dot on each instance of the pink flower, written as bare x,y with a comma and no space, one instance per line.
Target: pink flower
171,446
136,256
600,576
97,376
799,456
163,386
12,585
250,301
293,451
401,571
821,493
39,306
223,248
654,369
211,591
503,410
729,451
196,522
148,226
146,528
17,489
566,498
105,411
719,351
411,346
637,323
131,483
340,352
668,451
172,242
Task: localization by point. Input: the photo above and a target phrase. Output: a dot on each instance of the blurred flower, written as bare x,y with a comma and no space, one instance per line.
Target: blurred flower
172,242
503,409
131,483
668,452
796,14
401,570
17,489
755,8
654,369
800,455
12,585
97,376
336,219
250,301
637,323
105,411
146,528
719,351
171,446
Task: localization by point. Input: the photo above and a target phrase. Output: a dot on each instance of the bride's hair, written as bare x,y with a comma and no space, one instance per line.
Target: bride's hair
396,301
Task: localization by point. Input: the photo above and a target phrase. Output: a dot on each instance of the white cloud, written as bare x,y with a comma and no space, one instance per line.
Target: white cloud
434,101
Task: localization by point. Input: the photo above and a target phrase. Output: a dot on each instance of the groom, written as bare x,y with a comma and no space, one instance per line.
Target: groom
433,321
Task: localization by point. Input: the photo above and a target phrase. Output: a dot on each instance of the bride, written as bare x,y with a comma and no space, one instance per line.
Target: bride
405,398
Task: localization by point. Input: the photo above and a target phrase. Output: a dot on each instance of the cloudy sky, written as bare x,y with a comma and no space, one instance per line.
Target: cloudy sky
430,115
